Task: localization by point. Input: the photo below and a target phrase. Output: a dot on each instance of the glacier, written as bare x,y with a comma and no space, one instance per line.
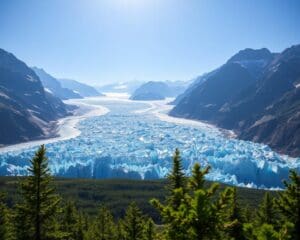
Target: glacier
137,140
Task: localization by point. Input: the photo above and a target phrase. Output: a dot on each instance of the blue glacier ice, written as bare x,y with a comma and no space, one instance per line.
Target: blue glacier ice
126,143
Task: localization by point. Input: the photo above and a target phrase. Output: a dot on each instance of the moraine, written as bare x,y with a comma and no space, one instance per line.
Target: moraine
137,139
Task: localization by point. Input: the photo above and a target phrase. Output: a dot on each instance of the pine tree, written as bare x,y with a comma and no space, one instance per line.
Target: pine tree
39,203
203,211
177,177
120,235
197,179
235,219
173,212
288,203
71,223
266,213
104,226
4,224
267,232
80,228
21,224
133,223
149,230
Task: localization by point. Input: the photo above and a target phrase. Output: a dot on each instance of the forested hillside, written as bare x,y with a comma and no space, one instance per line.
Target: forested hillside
188,208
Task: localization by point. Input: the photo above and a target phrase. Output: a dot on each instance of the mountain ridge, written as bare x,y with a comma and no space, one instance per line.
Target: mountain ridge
52,85
260,111
158,90
27,111
80,88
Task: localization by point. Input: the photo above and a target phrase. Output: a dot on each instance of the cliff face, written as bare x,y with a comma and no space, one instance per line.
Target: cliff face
26,110
258,98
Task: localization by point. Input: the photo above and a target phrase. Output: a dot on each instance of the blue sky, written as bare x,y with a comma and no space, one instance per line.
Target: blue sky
104,41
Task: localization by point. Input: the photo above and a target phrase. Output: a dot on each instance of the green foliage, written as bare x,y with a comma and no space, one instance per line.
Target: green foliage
194,213
39,204
5,228
177,176
267,232
193,209
288,204
71,223
149,230
117,194
173,213
133,223
197,179
103,227
208,211
235,218
267,211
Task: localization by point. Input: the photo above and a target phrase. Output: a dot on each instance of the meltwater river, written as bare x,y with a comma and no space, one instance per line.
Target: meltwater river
120,138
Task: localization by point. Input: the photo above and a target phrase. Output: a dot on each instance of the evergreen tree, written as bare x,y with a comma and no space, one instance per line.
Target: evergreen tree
149,230
120,235
288,203
71,222
197,179
80,228
176,177
174,213
104,226
4,219
39,202
267,232
21,224
133,223
203,211
266,213
235,219
198,214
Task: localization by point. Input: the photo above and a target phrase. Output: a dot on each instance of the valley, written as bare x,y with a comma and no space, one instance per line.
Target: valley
136,139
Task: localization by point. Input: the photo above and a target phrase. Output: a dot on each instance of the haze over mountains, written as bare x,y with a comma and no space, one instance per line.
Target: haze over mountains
255,93
159,90
121,87
65,88
82,89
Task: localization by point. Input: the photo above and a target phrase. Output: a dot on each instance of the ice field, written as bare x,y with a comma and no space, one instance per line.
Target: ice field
137,140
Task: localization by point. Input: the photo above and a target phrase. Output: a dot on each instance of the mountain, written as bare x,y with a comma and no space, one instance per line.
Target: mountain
190,86
82,89
256,94
158,90
26,110
52,85
121,87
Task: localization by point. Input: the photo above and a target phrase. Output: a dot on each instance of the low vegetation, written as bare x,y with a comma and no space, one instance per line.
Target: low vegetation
182,207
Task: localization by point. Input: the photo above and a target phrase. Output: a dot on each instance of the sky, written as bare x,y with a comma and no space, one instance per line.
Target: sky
105,41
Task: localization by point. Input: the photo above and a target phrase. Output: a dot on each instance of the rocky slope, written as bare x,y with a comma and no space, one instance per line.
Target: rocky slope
256,93
52,85
26,110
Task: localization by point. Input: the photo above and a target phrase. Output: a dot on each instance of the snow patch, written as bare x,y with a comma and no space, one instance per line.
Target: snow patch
31,79
48,90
